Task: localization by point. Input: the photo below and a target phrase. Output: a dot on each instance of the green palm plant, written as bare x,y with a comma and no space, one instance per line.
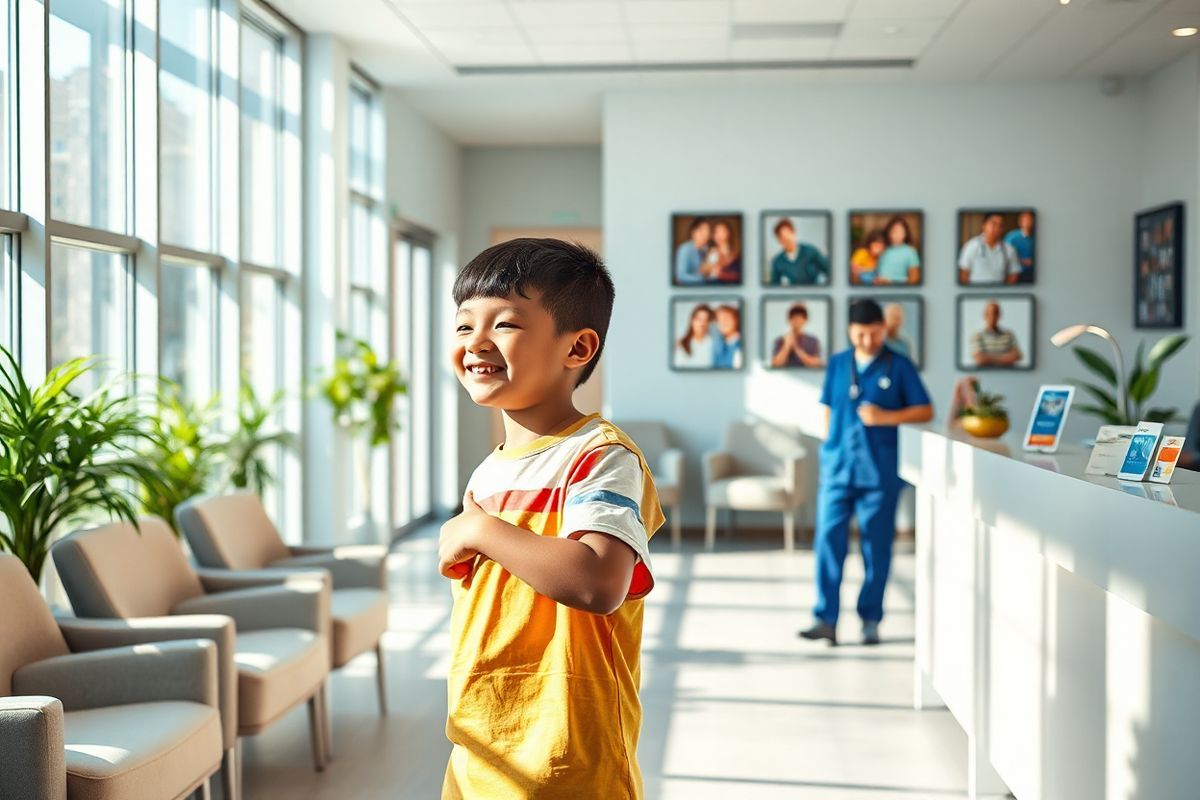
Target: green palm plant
64,459
362,390
1142,383
248,467
184,447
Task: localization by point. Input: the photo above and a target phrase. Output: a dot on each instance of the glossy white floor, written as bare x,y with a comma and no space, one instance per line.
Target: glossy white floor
735,705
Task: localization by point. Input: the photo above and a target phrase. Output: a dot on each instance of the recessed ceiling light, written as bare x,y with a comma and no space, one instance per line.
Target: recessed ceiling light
1185,31
1064,2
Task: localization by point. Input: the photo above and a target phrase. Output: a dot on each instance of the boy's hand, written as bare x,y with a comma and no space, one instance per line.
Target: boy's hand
455,551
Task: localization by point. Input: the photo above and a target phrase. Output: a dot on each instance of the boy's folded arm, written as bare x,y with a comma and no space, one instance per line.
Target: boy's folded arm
590,571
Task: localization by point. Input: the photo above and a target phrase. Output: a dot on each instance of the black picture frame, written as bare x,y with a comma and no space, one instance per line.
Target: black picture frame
767,339
680,222
966,231
918,326
1026,340
766,235
1148,311
676,328
857,230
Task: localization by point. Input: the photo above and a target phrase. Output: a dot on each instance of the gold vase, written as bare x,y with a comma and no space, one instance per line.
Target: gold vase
985,427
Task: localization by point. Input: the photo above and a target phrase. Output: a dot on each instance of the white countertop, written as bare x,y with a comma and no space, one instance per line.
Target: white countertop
1131,539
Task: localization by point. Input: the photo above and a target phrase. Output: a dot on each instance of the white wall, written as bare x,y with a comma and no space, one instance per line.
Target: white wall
1063,148
519,187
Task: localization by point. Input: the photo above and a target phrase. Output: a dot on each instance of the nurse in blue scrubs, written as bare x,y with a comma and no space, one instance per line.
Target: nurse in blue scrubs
869,390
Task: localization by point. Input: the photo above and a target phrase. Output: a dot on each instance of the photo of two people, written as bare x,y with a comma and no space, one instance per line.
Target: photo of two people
885,248
706,249
706,333
996,247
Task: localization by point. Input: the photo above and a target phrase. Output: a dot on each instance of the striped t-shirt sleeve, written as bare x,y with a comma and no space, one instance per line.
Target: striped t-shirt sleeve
604,495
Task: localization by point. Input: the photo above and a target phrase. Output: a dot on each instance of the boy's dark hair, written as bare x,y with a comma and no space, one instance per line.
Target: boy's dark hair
576,287
784,223
875,236
696,223
865,312
798,310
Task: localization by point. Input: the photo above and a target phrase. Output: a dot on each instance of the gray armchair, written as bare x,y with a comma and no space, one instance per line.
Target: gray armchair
272,641
666,466
115,722
758,468
234,539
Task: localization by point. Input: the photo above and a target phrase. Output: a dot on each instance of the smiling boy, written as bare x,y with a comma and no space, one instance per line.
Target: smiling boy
550,556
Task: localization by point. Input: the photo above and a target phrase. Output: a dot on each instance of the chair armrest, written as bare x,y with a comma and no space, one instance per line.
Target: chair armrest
352,567
32,749
671,464
793,476
216,579
297,604
84,635
144,673
717,465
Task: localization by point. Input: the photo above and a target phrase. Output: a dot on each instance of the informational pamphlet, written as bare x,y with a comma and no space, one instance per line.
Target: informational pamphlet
1166,459
1048,418
1109,452
1140,454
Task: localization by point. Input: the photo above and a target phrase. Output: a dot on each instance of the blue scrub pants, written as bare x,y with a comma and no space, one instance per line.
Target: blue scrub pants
876,513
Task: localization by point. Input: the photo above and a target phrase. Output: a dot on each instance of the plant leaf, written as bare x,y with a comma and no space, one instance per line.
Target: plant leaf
1164,348
1096,363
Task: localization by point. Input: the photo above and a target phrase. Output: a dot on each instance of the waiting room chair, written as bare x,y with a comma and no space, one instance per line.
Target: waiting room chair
140,584
758,468
233,532
666,466
100,721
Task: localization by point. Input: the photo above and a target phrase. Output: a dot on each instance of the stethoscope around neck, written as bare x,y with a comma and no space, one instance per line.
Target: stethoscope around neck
885,380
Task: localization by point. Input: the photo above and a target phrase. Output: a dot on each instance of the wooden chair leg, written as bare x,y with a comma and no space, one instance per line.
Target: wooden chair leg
326,722
381,678
231,779
789,530
676,527
315,733
710,528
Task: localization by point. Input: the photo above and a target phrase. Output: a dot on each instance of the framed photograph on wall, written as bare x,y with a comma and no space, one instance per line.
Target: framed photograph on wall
886,248
1158,268
706,249
904,316
795,248
707,333
996,331
797,331
996,246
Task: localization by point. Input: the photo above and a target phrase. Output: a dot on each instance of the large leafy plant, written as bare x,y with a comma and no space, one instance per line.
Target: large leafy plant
1142,382
184,447
362,390
65,459
246,448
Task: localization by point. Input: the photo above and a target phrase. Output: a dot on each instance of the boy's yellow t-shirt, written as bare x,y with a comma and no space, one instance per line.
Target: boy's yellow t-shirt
543,699
862,260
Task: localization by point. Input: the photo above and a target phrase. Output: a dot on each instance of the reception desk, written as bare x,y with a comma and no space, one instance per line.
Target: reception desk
1058,618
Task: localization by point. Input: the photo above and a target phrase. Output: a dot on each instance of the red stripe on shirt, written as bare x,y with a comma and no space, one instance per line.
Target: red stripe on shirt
583,469
521,500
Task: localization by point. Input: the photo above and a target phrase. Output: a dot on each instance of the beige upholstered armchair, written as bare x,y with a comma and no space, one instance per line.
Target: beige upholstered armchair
95,720
135,586
666,465
758,468
233,532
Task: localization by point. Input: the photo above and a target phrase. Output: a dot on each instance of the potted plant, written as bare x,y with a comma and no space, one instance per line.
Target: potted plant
1140,386
65,459
183,446
985,417
248,466
361,391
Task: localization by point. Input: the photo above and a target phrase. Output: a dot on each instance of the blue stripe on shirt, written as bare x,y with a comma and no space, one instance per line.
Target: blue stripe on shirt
605,496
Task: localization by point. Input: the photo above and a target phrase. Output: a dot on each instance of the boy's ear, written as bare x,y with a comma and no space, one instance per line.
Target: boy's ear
584,347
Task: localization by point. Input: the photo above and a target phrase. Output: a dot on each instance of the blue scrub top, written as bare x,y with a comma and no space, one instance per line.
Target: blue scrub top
855,455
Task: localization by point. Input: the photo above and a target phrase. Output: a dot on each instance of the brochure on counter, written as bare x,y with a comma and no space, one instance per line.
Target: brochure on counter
1139,456
1048,419
1165,460
1112,442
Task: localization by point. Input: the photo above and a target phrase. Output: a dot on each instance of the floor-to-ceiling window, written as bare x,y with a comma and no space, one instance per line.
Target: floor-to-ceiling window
11,223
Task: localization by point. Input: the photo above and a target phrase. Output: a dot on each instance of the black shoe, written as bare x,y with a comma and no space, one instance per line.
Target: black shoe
871,633
820,630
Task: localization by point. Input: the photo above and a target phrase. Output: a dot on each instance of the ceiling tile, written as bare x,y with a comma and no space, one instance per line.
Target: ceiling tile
679,33
699,51
676,12
780,49
885,28
576,34
891,47
903,9
1147,46
458,15
475,37
979,35
584,12
585,53
489,53
766,11
1067,39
